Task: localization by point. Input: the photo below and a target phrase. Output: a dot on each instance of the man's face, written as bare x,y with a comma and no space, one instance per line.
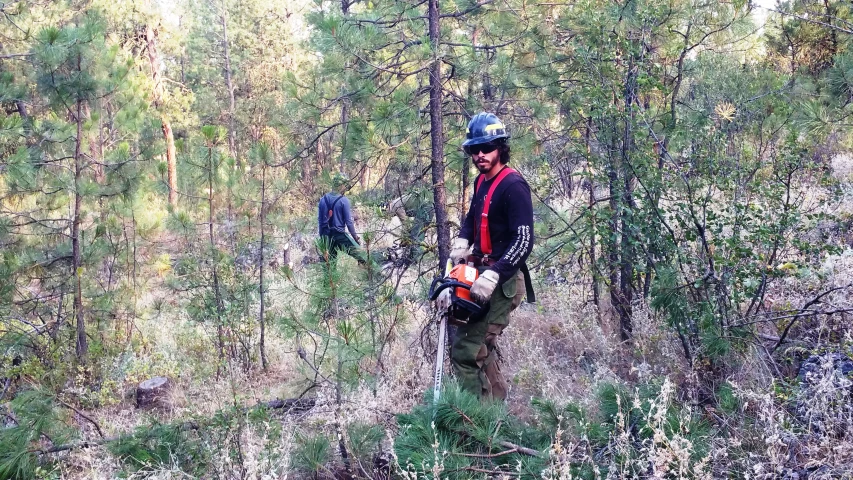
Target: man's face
483,159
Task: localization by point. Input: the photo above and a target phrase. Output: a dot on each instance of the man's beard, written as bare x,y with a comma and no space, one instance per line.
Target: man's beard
485,167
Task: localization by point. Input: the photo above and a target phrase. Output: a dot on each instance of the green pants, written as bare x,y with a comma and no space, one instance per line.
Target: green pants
340,241
474,355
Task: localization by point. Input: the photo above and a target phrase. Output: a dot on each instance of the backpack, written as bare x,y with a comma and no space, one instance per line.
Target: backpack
332,209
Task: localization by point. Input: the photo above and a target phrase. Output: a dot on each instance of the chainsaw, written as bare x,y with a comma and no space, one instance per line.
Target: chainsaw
459,279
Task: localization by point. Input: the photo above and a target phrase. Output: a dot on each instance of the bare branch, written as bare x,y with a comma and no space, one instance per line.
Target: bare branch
15,55
809,20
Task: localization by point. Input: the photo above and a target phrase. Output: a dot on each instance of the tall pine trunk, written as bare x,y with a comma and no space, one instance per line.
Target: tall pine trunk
229,86
344,107
166,126
232,142
437,137
593,262
612,240
261,286
171,160
82,347
217,295
626,267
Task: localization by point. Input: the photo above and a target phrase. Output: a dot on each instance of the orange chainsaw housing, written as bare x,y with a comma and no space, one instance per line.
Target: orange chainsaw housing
464,274
458,281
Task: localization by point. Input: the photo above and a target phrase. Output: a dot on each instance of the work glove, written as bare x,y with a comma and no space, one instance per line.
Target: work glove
443,302
458,250
484,286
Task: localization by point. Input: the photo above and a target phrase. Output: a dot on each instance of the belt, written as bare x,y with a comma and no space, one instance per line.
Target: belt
479,261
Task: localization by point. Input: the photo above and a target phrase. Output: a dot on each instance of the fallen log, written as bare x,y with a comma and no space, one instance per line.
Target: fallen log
292,405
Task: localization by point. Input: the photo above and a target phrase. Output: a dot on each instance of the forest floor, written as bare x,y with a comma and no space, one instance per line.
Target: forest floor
562,348
559,348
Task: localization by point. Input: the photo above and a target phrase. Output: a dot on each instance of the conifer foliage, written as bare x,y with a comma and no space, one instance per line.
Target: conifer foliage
160,167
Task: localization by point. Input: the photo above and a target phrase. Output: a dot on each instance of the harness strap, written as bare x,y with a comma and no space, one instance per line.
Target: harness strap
485,237
332,207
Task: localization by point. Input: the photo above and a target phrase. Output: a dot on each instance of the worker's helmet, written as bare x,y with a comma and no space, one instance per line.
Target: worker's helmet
484,128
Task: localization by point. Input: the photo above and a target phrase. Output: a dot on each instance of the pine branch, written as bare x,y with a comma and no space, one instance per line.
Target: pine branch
290,405
467,10
15,55
511,446
78,412
809,20
802,314
489,455
492,472
526,451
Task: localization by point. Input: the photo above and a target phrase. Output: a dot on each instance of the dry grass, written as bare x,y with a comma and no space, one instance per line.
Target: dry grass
561,349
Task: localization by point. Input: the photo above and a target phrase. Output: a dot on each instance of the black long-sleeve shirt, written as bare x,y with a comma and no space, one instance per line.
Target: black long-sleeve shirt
510,223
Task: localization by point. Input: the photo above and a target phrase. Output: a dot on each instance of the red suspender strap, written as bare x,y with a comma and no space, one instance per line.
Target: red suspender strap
485,238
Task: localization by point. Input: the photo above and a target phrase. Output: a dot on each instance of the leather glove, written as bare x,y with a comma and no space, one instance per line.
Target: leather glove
458,250
484,286
442,303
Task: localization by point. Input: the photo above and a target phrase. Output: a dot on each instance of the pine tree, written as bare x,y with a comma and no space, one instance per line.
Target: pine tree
74,155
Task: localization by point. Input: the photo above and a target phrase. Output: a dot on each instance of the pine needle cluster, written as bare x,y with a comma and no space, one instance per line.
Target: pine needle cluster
625,434
459,437
29,424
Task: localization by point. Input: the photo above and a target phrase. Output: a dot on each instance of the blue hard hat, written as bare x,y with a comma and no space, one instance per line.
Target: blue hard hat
484,128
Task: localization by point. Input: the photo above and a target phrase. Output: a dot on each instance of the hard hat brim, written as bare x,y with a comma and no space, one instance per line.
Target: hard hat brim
483,139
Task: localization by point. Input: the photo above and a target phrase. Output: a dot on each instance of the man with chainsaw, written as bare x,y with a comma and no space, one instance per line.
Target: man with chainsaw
335,218
499,227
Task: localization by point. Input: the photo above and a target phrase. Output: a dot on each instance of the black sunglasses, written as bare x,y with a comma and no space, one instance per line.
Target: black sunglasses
483,147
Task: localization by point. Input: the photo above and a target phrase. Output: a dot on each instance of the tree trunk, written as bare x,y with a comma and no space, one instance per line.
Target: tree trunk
261,289
183,59
25,116
344,104
466,186
466,168
596,296
830,15
365,175
232,148
166,126
612,241
153,393
344,126
171,161
220,307
232,142
437,138
95,147
626,267
82,347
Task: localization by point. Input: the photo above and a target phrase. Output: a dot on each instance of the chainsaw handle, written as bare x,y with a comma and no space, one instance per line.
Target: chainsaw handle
444,284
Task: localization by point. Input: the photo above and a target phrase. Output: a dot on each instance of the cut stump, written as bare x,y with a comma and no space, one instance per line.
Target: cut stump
153,393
